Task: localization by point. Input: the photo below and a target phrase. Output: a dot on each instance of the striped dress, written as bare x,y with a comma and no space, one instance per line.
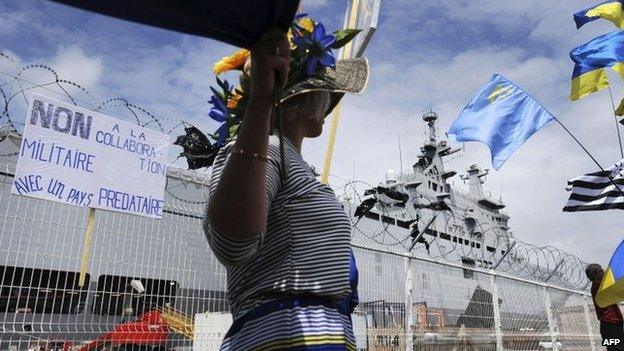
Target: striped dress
290,288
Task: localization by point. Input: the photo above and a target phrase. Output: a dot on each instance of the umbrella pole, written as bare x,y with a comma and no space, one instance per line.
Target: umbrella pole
346,53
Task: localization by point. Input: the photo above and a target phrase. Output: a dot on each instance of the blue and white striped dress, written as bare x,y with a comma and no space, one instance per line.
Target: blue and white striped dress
288,288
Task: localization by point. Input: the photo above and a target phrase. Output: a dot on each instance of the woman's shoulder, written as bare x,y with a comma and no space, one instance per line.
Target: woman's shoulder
273,149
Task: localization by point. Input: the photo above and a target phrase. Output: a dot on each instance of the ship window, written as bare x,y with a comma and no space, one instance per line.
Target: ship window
403,224
468,273
371,215
454,239
387,219
431,232
491,249
116,295
478,245
434,186
34,290
445,236
461,241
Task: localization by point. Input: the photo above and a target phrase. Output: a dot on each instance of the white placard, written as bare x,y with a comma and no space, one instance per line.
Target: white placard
77,156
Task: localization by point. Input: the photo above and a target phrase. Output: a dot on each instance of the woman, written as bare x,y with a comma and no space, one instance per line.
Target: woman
281,234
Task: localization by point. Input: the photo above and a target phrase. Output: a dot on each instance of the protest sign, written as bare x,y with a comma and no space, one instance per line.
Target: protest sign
77,156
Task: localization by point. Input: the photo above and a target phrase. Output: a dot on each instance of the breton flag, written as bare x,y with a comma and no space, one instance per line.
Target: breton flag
597,191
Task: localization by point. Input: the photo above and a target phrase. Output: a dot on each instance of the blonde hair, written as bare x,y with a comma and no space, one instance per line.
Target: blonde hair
305,104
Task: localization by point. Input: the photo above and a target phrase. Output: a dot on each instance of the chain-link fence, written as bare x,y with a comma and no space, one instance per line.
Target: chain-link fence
405,302
154,284
462,308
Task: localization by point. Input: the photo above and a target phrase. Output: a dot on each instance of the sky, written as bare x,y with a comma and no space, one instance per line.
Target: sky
426,54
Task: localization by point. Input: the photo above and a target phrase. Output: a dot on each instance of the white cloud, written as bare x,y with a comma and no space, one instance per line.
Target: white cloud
73,64
11,21
10,63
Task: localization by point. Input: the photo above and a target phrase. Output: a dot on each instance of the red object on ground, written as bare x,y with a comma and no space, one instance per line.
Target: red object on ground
148,329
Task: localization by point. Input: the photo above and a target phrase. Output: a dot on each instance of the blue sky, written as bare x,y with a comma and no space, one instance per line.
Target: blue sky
425,54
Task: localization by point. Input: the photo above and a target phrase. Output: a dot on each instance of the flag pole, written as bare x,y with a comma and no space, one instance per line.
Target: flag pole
86,248
617,128
346,52
588,154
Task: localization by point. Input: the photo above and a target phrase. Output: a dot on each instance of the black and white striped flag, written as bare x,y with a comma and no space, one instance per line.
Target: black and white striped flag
597,191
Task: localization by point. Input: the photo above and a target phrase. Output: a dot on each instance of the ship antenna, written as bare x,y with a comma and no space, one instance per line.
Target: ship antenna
400,157
500,195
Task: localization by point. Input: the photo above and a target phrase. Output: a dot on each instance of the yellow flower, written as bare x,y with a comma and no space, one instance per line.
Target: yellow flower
233,100
231,62
307,23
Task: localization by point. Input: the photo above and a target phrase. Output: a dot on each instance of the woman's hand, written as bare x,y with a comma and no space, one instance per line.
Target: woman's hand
270,58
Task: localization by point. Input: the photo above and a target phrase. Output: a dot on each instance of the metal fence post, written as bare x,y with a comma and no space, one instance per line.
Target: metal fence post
409,318
590,330
552,324
497,318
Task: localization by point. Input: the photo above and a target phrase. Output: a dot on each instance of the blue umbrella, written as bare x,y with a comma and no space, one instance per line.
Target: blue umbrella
236,22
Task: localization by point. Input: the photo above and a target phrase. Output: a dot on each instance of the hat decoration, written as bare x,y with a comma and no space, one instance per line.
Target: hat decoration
313,66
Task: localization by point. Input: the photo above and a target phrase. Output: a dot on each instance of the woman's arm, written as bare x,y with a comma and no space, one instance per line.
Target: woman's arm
238,208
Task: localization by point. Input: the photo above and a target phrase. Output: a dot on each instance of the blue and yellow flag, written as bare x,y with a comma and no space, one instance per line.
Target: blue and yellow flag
591,58
611,289
502,116
609,10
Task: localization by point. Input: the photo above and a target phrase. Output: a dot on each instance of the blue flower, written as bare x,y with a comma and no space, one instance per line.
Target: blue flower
300,16
222,134
317,49
220,113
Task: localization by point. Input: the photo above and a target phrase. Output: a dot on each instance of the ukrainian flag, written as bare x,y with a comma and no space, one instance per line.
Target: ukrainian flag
590,60
611,289
609,10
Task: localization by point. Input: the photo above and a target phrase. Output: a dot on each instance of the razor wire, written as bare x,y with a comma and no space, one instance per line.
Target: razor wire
521,258
17,86
513,256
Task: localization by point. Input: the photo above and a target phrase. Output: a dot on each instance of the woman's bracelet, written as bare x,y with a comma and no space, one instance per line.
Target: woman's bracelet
249,156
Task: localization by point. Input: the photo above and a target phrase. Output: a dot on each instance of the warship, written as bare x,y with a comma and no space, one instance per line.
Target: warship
421,213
